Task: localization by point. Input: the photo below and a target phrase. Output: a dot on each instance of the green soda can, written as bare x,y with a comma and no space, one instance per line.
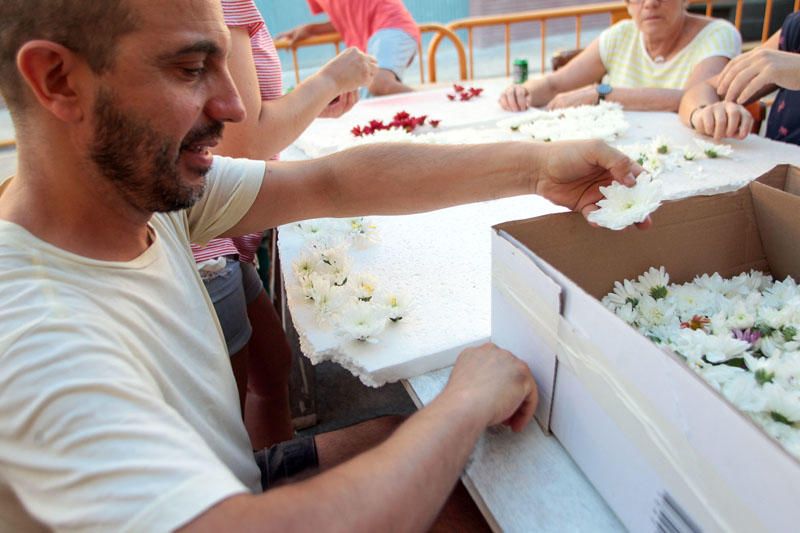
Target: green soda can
520,71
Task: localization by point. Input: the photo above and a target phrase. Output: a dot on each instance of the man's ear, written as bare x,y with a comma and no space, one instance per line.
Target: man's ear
49,69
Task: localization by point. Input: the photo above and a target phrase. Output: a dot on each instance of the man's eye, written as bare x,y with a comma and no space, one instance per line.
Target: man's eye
193,72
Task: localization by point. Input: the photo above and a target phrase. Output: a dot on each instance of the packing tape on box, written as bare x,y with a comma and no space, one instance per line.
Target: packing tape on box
665,446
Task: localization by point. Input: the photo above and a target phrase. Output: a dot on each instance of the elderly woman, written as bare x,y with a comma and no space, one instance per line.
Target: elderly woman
645,63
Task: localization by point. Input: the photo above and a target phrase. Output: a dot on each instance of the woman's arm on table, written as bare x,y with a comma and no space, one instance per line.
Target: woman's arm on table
585,69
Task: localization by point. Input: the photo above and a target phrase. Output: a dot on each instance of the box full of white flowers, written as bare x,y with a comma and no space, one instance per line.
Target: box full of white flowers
668,359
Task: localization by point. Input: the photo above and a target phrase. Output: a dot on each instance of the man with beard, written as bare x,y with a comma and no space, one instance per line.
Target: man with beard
118,409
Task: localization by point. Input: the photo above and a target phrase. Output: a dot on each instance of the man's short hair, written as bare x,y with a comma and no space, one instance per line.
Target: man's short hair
90,28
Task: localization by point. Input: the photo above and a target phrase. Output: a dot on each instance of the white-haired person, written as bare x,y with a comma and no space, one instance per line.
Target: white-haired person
645,63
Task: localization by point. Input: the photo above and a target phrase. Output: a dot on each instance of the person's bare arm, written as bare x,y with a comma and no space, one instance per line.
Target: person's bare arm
585,69
701,108
307,30
405,178
272,125
759,72
401,484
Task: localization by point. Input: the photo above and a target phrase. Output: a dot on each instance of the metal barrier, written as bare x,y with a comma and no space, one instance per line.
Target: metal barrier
441,32
616,11
737,21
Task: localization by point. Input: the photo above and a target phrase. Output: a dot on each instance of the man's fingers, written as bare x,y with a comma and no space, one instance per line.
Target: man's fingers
620,166
525,412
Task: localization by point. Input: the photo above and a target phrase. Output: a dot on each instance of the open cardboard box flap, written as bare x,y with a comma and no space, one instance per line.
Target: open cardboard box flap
754,228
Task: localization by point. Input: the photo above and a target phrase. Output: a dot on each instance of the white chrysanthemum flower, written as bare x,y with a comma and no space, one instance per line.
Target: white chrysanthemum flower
313,229
661,145
627,313
721,375
304,265
783,403
365,286
397,305
624,292
696,345
363,231
713,150
335,264
654,282
654,312
689,154
745,392
741,317
623,206
781,292
691,300
327,296
714,283
362,321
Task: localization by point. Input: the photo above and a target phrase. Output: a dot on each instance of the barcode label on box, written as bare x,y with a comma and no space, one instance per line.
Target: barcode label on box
669,517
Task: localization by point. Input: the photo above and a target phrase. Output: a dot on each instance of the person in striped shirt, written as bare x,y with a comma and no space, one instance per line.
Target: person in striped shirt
644,63
260,353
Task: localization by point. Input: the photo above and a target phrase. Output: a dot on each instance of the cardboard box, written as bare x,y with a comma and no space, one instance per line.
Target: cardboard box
662,447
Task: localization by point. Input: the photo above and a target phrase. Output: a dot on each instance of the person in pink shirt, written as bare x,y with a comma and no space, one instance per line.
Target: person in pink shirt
381,28
260,354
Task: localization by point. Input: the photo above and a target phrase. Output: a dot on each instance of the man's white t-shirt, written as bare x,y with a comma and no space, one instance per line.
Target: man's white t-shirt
118,407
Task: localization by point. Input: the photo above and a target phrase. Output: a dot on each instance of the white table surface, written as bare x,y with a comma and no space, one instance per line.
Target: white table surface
442,259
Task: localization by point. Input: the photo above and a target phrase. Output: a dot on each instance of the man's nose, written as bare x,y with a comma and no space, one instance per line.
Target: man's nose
226,105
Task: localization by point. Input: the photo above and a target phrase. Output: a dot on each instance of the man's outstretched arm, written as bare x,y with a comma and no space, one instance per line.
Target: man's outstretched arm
393,179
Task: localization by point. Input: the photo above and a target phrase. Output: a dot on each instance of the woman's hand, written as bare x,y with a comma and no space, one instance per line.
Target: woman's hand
296,34
583,96
722,119
341,105
747,75
515,98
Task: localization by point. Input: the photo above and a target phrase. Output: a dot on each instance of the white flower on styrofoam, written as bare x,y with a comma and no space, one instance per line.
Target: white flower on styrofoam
335,264
623,206
689,154
365,286
396,303
363,231
661,145
713,150
362,321
304,265
326,296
